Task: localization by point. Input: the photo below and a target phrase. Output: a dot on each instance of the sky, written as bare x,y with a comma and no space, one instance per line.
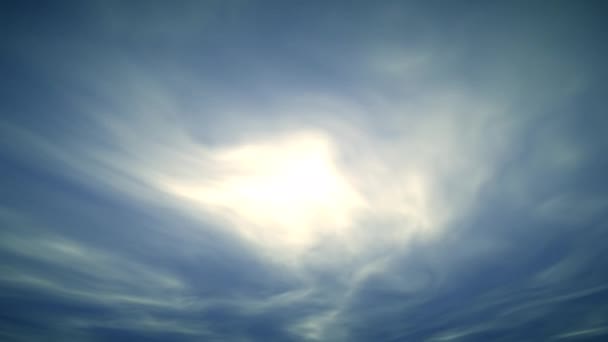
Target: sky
303,171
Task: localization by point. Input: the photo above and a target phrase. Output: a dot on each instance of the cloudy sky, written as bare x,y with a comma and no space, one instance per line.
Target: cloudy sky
303,171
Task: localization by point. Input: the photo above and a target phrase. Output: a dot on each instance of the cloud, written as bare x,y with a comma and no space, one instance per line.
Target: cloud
420,175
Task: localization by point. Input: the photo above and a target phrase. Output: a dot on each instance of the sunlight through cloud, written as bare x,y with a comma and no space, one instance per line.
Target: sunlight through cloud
285,191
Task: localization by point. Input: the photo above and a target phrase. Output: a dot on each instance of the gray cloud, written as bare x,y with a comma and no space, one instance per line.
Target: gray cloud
457,151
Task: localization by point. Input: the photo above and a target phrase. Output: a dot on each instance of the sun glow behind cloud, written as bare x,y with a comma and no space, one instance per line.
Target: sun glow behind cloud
285,191
288,191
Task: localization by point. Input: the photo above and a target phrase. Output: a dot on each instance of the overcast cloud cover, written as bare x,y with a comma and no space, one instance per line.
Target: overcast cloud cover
303,171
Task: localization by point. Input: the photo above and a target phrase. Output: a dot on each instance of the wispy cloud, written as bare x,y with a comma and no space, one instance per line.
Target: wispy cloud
237,172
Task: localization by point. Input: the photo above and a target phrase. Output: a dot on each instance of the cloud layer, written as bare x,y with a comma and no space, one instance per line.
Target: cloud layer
303,172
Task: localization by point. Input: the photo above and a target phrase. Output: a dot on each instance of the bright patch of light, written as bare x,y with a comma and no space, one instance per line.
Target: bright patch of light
285,191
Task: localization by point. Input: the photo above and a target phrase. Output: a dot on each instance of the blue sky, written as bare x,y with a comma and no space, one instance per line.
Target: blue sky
303,171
